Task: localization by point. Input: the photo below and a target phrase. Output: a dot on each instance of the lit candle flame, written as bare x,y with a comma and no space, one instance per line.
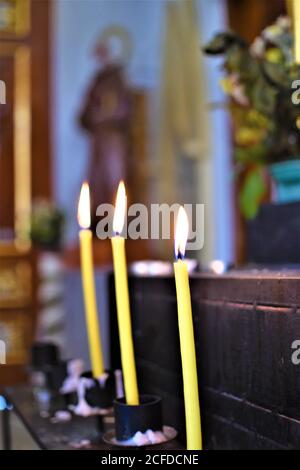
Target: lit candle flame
120,209
84,207
181,233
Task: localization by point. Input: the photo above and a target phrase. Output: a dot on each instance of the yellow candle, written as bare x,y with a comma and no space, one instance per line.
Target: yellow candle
296,29
186,334
88,283
122,298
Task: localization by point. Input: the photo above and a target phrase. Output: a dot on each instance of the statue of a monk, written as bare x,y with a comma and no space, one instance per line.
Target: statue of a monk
106,117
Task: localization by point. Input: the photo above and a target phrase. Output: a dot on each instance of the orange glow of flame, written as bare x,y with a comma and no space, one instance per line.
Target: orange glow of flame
120,209
181,233
84,208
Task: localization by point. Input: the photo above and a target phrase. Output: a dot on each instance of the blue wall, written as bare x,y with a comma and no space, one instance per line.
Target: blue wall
77,24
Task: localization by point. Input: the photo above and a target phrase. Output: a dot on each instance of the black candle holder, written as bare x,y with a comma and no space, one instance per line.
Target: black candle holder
48,370
130,419
70,398
44,354
100,395
55,375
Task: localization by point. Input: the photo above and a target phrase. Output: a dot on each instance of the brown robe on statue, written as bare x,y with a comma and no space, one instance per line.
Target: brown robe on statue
106,116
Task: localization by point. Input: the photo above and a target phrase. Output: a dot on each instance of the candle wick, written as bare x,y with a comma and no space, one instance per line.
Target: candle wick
179,256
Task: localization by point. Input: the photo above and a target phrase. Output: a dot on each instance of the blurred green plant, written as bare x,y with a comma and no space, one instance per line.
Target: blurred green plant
259,81
46,225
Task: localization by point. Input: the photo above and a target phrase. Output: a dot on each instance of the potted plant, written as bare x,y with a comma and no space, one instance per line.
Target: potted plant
46,225
260,80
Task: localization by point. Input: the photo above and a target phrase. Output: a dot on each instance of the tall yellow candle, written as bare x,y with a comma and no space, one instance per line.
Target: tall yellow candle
186,334
296,29
88,282
122,298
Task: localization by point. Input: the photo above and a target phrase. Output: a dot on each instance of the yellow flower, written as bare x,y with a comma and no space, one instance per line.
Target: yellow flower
273,55
245,136
255,118
226,85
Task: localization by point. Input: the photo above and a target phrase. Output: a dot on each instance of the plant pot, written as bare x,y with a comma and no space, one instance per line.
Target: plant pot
130,419
286,176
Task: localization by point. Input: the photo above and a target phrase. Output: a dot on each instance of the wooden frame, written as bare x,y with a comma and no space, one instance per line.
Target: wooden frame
26,49
16,278
21,134
18,308
14,18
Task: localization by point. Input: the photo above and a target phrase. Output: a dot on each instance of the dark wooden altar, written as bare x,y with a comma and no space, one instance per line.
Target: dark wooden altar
245,323
273,236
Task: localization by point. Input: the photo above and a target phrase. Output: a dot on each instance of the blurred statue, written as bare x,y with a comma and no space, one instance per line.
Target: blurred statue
106,117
